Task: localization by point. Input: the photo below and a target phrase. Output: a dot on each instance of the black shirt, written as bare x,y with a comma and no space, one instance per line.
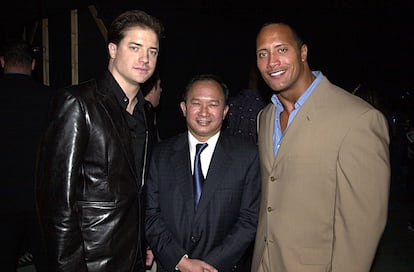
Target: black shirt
137,126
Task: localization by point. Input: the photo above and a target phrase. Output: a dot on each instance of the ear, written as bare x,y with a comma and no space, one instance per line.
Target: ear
225,111
112,48
183,108
304,52
2,61
33,64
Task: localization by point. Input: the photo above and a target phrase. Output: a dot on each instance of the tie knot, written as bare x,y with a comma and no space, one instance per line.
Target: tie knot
200,148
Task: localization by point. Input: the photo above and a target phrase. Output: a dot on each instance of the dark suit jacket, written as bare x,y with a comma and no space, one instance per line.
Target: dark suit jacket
23,115
24,105
225,222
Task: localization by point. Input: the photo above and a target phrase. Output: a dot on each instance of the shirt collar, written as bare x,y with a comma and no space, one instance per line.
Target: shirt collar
211,142
305,95
121,96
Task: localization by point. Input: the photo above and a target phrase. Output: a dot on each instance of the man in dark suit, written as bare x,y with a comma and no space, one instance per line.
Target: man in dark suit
215,234
23,115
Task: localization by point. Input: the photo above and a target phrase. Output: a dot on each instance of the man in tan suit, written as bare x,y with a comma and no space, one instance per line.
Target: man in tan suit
325,166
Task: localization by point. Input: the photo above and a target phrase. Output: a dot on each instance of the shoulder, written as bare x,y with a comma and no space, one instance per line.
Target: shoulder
342,104
83,92
171,144
81,89
236,144
340,98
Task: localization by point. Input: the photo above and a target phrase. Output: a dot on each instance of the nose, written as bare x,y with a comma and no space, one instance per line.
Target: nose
203,110
144,57
274,60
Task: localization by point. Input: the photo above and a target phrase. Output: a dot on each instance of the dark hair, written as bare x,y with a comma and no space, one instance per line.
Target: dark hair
207,77
132,18
150,83
296,36
18,52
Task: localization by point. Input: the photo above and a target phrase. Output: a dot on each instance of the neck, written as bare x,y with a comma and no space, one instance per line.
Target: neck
131,105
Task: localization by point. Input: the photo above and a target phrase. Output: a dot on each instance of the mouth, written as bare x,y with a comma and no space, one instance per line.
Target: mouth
277,73
141,69
203,122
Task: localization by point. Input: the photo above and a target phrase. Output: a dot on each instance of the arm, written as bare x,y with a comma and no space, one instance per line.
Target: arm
363,185
162,242
59,171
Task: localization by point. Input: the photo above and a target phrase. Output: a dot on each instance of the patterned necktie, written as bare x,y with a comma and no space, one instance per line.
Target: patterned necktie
198,174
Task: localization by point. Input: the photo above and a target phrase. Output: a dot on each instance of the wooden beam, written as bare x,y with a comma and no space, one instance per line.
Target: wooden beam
45,45
100,24
32,33
74,45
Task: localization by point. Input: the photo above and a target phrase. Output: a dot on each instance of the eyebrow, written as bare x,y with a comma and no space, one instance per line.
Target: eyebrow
140,44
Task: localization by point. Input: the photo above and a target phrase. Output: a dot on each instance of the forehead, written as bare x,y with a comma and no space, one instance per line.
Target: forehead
275,33
139,34
208,88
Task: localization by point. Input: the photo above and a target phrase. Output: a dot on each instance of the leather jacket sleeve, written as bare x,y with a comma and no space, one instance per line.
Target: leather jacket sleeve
60,162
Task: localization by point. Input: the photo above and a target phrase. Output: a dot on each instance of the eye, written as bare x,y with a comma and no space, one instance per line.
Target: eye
134,48
154,52
195,103
262,54
282,50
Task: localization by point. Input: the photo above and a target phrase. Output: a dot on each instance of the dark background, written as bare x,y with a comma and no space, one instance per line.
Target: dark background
349,41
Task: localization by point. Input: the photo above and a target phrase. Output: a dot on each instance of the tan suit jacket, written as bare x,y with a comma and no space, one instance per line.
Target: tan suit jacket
325,195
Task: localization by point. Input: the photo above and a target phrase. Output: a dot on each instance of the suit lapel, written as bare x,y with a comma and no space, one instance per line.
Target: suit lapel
183,171
219,166
267,121
313,107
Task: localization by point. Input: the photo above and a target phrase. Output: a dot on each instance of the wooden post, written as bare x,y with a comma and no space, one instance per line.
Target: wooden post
74,45
45,45
99,22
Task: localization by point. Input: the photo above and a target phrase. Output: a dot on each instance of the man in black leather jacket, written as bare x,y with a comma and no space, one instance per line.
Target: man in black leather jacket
93,160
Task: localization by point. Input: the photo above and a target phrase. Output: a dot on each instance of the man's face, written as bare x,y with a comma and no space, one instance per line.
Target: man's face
204,109
134,59
279,59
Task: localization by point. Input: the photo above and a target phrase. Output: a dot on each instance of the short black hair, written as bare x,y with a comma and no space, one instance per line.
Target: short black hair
151,82
132,18
295,33
18,51
207,77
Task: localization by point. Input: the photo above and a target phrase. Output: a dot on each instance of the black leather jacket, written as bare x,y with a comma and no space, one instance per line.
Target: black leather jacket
87,189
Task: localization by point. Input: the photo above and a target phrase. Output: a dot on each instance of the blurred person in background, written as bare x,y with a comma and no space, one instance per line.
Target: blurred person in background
25,103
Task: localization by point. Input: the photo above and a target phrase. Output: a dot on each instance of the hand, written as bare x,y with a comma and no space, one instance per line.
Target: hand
149,257
194,265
